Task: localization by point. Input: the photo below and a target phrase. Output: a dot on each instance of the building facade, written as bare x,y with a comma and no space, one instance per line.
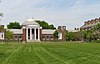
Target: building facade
1,32
88,25
62,33
31,31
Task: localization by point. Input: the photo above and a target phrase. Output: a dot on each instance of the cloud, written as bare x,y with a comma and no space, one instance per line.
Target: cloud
59,12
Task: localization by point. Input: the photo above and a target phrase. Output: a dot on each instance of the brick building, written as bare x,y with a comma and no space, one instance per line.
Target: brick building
31,31
62,33
90,23
1,32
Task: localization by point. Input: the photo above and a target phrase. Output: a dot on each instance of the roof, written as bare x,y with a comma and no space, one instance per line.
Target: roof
30,21
90,25
17,31
48,31
73,30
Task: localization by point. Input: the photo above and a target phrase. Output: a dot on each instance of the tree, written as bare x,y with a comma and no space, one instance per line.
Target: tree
8,35
1,28
87,35
77,36
96,33
45,25
97,27
55,34
93,34
52,26
13,25
69,36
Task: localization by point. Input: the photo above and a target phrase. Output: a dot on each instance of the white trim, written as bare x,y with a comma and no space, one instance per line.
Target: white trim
30,33
32,25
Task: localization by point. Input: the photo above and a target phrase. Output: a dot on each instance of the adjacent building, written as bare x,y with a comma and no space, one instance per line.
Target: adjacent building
90,23
1,32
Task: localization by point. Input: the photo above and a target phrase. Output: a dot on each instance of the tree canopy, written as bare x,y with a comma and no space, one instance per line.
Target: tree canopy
45,25
87,35
69,36
55,34
8,35
93,34
1,28
14,25
97,27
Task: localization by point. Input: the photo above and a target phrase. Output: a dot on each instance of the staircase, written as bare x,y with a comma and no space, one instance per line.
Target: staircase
34,40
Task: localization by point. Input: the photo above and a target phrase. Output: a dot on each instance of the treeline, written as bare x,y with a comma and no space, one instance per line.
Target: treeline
43,24
85,35
93,34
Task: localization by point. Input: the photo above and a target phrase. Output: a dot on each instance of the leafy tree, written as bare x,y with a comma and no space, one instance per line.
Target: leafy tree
1,28
96,33
69,36
52,26
93,34
45,25
55,34
8,35
77,36
97,27
87,35
14,25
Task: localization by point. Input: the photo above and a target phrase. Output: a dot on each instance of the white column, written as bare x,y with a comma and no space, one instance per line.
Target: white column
38,34
30,33
26,34
35,33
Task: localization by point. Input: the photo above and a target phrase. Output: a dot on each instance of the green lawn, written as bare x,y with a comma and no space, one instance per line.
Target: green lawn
50,53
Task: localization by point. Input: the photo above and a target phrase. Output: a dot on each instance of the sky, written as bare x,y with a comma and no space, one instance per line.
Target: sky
69,13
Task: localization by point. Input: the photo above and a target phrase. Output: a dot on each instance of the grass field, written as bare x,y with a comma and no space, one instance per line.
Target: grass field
50,53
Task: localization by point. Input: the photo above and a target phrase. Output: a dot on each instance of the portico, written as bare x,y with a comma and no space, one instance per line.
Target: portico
31,31
33,34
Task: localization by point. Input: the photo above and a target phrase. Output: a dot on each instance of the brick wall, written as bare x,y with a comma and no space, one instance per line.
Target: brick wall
24,35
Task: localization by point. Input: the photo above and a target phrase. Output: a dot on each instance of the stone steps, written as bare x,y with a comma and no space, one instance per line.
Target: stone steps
33,41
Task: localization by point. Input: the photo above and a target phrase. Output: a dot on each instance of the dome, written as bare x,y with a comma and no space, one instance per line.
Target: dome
30,21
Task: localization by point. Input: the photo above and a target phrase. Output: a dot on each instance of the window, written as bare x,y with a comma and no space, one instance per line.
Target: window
2,36
20,36
43,36
47,36
15,36
51,36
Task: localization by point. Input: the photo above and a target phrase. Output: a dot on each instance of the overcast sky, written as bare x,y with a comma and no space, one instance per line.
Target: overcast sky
70,13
